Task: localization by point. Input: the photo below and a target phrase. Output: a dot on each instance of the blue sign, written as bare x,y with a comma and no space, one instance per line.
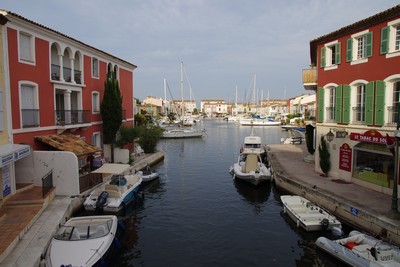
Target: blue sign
354,211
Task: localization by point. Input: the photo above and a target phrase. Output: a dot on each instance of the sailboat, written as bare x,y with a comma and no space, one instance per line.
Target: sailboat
255,119
182,131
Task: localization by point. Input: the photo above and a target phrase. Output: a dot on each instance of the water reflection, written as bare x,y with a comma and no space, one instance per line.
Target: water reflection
254,195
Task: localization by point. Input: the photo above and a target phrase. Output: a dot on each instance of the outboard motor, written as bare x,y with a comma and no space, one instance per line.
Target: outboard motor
337,231
325,223
384,253
101,200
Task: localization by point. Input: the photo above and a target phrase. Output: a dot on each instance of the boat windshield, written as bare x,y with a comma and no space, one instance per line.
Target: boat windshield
83,231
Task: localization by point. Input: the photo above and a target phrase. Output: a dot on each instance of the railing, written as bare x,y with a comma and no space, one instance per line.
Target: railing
67,74
310,79
30,118
392,116
89,180
47,183
55,72
358,115
330,114
78,76
70,117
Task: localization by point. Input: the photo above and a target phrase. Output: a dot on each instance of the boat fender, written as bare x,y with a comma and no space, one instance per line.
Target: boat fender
284,209
325,223
298,223
117,243
121,226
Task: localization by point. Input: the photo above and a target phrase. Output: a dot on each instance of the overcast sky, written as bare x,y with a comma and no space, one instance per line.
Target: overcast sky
222,43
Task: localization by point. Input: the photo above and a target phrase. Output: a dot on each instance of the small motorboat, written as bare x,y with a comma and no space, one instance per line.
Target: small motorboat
147,174
359,249
250,166
114,194
309,216
82,241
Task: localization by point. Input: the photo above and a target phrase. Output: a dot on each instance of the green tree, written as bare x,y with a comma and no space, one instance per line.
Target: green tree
111,111
149,137
127,135
324,156
140,119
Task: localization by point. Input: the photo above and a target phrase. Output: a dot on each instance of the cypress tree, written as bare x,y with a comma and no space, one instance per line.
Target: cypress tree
111,111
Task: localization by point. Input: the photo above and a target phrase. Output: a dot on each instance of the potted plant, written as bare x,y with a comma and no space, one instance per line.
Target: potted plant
324,157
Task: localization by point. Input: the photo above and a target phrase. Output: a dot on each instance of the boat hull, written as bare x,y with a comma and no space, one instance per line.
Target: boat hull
252,177
307,215
118,197
82,251
182,134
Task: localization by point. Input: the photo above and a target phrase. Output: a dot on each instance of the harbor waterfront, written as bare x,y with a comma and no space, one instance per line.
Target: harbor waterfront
196,215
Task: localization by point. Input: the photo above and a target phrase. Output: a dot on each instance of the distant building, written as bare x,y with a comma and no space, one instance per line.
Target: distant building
214,108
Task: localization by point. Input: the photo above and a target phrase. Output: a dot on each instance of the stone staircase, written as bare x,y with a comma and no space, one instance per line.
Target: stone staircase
18,213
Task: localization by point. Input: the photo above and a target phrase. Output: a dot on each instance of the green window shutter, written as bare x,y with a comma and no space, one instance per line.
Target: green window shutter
323,57
369,44
346,104
337,54
369,103
385,40
379,103
338,105
349,50
321,93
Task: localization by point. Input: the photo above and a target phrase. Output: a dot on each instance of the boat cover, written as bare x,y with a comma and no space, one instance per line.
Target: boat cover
112,168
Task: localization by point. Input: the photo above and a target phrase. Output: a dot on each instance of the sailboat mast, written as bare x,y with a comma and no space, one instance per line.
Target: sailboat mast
165,96
182,87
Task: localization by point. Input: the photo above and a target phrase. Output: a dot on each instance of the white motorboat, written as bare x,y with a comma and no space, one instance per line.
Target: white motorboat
250,166
259,122
147,174
361,250
309,216
182,132
114,194
82,241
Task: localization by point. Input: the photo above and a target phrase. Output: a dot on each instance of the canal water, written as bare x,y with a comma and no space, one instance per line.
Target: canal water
196,215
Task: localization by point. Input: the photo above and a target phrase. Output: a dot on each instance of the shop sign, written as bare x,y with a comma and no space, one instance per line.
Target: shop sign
370,136
345,157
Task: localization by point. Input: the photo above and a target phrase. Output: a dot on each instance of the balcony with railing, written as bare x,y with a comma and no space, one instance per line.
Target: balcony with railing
72,117
358,115
56,70
310,79
30,118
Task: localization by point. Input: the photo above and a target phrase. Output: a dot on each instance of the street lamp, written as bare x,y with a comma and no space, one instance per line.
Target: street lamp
330,136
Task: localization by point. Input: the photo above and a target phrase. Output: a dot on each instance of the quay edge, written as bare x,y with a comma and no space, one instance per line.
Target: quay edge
345,201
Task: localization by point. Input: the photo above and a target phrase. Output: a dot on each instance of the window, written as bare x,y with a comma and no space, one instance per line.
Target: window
330,110
390,39
97,140
29,106
95,102
26,51
330,55
359,109
95,67
395,103
359,47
